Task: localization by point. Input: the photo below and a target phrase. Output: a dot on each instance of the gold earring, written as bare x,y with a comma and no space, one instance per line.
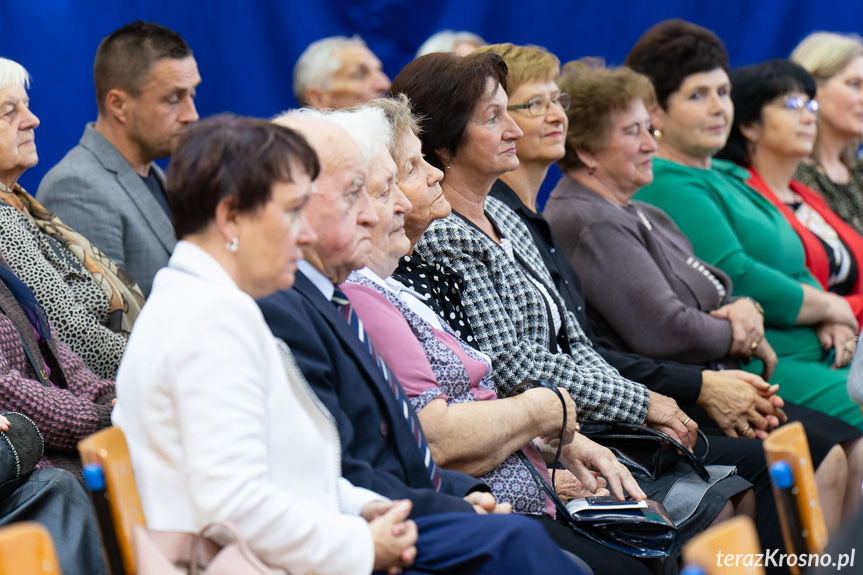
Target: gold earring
657,134
590,170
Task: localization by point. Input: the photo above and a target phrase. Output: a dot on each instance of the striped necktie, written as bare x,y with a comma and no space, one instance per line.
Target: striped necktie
344,306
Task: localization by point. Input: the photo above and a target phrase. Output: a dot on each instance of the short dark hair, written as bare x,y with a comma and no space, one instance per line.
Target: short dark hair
124,58
672,50
752,87
228,156
444,90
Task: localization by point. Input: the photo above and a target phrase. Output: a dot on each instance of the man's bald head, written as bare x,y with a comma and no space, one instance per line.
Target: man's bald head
340,213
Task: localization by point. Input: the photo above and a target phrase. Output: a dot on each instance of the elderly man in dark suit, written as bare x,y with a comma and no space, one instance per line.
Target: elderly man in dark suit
107,187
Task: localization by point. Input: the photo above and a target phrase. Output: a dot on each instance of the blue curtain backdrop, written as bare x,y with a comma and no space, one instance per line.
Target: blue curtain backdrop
246,50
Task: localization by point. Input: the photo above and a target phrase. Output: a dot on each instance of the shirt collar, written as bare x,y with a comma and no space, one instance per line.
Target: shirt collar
322,282
390,284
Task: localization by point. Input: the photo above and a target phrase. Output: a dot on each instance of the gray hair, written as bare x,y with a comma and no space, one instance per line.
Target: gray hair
824,54
397,110
13,74
446,40
318,63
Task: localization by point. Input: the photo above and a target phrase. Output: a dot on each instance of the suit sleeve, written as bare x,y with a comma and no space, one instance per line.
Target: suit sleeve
81,205
314,357
676,380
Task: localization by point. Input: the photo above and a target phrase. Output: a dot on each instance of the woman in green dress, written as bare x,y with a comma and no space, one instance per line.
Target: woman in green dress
732,226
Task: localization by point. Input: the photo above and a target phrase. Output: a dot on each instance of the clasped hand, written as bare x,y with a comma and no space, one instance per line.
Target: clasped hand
394,535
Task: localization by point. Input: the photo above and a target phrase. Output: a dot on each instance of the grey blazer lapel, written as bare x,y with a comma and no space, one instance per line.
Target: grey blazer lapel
150,209
137,192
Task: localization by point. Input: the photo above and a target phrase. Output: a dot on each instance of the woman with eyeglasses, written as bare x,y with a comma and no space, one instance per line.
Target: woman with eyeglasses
734,227
773,131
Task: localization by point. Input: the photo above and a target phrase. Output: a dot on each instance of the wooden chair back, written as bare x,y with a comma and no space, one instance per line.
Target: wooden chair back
27,547
788,443
730,548
108,448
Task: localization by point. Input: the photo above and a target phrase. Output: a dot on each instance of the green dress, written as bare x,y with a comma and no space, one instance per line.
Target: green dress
737,230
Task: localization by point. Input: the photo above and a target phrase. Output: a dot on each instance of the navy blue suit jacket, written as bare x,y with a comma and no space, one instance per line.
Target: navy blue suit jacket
378,449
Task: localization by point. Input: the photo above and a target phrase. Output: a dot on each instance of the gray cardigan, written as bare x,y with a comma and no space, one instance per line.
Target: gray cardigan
640,275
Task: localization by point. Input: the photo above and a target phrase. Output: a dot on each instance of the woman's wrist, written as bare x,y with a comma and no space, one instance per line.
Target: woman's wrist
755,303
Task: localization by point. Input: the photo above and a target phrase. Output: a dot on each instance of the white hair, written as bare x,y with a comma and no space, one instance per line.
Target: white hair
288,117
446,41
13,74
367,126
318,63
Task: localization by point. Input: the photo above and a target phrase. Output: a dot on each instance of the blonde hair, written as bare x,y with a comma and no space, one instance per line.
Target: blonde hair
596,93
825,54
525,64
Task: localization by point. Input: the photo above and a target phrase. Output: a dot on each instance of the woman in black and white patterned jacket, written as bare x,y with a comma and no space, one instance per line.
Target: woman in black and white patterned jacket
517,316
515,311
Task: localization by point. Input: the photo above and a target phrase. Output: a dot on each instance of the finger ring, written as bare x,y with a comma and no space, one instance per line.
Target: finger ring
745,431
687,420
753,346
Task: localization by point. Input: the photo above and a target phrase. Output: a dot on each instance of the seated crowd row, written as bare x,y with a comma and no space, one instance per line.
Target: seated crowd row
395,250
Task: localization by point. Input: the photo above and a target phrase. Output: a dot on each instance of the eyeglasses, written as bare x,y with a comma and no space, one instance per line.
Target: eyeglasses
540,106
796,103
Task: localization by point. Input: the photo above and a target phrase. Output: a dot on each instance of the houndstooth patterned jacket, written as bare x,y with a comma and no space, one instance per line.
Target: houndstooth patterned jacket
510,319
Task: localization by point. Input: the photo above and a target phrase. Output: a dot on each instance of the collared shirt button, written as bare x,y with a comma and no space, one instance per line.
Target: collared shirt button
552,250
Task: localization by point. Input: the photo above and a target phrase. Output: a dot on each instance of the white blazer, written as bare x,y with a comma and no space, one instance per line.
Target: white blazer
221,425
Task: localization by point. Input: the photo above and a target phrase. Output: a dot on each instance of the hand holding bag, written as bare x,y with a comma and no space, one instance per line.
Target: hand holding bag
646,533
182,553
646,452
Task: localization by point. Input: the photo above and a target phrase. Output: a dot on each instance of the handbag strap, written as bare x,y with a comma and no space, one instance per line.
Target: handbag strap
559,505
547,384
253,561
695,462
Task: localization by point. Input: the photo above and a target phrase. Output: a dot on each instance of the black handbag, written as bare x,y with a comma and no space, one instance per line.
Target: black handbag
646,452
646,533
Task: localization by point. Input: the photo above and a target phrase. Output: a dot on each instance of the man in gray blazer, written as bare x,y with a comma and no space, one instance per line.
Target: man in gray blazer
107,187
